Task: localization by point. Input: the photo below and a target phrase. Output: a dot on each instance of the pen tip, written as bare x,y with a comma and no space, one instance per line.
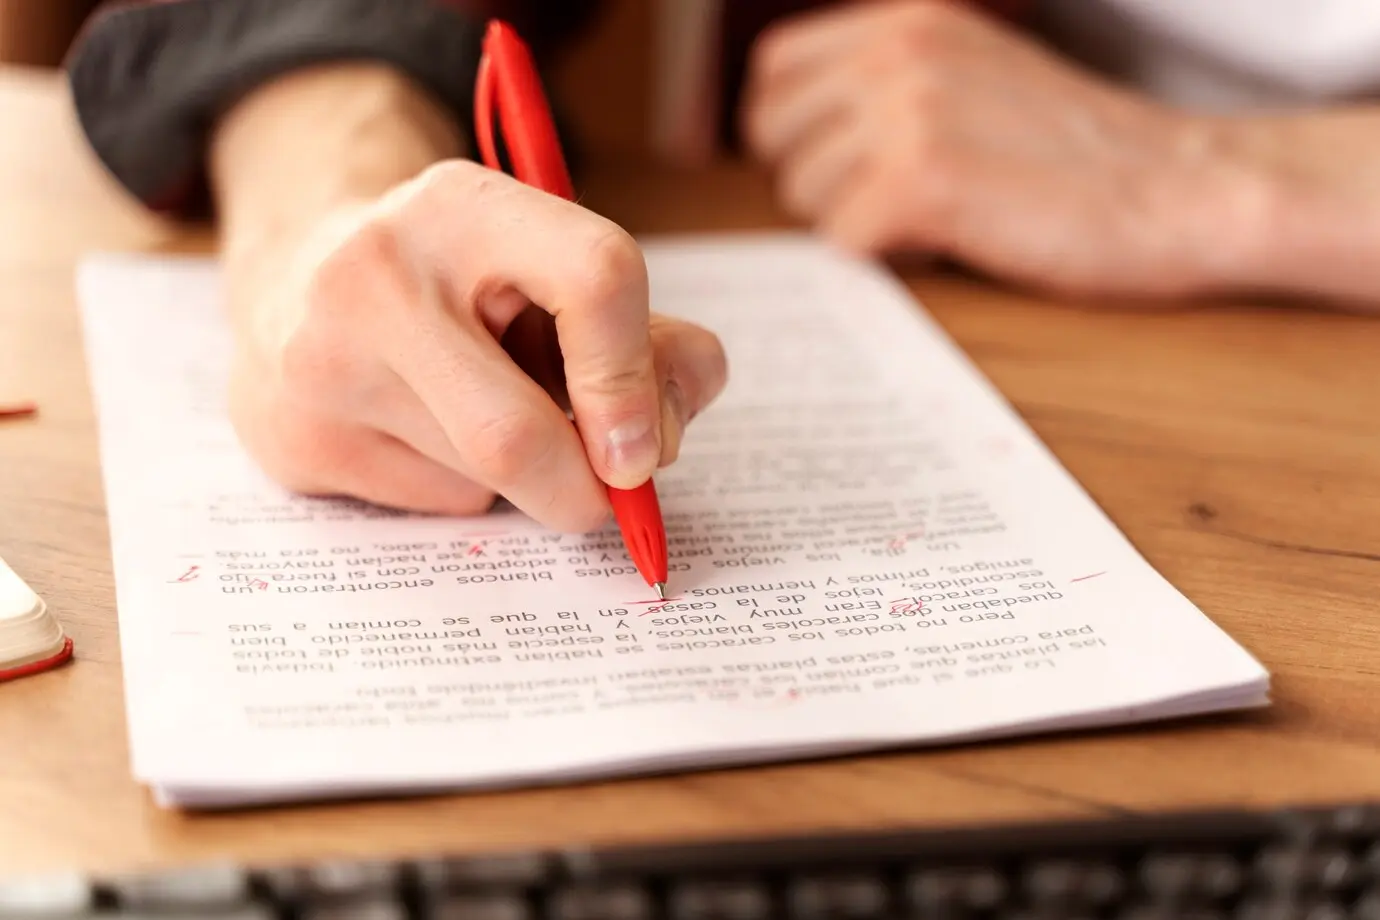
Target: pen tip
660,589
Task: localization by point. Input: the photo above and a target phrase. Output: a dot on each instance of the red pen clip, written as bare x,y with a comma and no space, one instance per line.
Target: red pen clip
507,80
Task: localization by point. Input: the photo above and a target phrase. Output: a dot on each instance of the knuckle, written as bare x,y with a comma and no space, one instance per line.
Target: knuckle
573,510
888,54
447,176
295,452
926,168
616,266
920,148
309,369
865,225
450,186
753,124
920,91
617,381
507,447
924,25
469,502
767,53
791,190
714,372
357,266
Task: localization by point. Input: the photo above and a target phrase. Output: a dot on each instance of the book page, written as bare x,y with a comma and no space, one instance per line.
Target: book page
868,548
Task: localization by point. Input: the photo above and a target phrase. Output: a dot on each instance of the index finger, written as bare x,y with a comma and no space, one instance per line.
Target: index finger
488,234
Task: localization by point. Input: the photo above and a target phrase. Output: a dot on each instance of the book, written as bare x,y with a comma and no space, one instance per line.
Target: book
31,638
869,550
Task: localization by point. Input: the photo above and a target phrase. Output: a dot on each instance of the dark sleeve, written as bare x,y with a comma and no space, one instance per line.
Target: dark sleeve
148,79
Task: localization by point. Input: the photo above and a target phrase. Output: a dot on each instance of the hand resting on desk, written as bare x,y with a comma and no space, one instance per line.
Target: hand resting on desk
387,348
931,127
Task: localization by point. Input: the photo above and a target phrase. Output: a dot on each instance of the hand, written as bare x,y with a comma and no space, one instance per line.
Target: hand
393,353
927,126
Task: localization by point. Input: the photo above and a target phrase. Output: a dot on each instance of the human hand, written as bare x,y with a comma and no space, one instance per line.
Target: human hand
392,353
926,126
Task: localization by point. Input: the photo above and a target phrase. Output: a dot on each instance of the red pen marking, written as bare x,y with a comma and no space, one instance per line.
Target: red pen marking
259,583
477,549
1086,577
901,540
657,607
907,605
18,409
189,575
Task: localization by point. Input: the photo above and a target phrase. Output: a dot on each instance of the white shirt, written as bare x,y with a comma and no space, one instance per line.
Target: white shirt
1225,54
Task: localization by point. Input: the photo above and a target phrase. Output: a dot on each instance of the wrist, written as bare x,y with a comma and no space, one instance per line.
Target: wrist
316,142
1224,205
1294,209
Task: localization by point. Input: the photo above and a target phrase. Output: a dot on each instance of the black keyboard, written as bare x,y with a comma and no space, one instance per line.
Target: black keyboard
1320,864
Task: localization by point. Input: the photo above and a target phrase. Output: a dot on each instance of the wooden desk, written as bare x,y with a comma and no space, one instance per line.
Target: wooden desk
1238,447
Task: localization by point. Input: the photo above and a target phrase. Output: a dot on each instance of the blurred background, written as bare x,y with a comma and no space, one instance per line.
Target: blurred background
615,56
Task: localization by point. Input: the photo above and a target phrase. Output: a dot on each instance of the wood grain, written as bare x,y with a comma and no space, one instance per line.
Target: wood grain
1237,445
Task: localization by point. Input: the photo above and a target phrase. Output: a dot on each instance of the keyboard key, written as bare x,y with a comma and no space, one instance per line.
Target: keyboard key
1329,868
483,872
480,906
1219,876
199,886
984,889
1285,908
339,878
358,907
1052,881
1177,876
45,896
1357,821
720,900
240,912
1169,912
1062,881
842,897
332,878
1103,883
612,902
1367,907
950,887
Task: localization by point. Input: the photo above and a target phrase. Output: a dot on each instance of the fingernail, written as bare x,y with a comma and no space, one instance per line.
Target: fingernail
633,448
673,420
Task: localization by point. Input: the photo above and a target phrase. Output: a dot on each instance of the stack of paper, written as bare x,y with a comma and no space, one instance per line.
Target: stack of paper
869,549
31,639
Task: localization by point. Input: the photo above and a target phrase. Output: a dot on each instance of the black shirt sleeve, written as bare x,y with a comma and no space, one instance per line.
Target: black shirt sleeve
148,80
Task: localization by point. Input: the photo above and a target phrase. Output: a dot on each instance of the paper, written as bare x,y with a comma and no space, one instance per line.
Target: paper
868,549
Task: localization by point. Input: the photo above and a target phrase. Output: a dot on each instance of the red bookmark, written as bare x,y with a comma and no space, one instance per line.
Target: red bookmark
507,77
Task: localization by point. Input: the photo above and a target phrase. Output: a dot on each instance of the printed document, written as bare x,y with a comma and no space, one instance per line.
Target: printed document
869,549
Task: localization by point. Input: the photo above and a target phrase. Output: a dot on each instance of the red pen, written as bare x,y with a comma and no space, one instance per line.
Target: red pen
507,77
